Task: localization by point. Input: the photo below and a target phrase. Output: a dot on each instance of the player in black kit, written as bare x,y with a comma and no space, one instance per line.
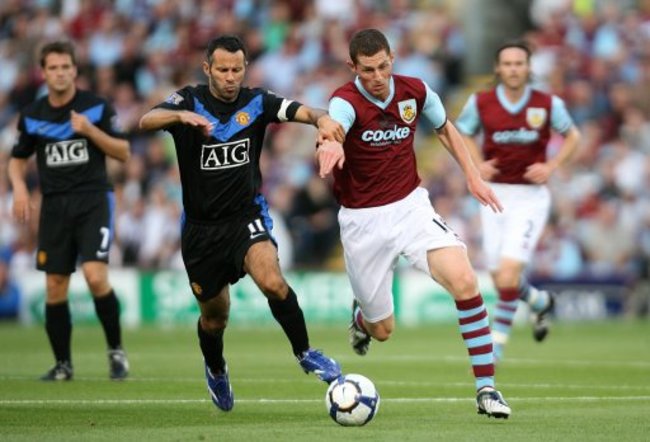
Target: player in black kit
71,131
218,130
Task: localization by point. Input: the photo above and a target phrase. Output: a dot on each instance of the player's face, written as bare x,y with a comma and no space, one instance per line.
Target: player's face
513,68
225,74
59,72
374,73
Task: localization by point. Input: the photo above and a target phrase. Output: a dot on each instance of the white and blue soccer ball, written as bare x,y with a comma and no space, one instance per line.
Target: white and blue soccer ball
352,400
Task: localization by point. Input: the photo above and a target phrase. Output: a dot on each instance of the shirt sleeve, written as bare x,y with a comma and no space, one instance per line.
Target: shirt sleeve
25,144
433,110
561,121
468,122
341,111
182,99
278,109
109,122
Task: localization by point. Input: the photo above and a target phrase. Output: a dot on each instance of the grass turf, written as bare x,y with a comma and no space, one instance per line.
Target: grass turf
589,381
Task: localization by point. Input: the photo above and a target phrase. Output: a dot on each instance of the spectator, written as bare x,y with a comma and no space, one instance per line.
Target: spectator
608,246
594,54
313,223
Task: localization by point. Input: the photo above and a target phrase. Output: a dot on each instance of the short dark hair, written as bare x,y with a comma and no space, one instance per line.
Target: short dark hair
521,44
367,42
230,43
57,47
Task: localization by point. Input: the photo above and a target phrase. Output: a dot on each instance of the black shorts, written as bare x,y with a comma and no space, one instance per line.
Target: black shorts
72,227
214,253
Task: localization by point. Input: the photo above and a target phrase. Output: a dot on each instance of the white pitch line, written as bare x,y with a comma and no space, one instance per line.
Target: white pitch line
303,401
414,357
513,361
505,385
378,359
375,358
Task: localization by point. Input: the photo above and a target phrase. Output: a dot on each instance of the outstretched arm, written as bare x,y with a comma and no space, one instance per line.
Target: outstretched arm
157,119
487,169
453,142
329,154
328,129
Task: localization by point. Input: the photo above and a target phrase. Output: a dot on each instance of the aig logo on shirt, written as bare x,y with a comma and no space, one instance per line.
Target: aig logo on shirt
225,155
66,153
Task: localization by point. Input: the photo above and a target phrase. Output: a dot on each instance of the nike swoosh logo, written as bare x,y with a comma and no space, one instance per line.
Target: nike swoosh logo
102,255
255,235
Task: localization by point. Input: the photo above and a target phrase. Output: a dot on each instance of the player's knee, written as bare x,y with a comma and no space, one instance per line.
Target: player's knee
214,324
464,286
97,284
381,332
56,288
56,282
274,287
506,278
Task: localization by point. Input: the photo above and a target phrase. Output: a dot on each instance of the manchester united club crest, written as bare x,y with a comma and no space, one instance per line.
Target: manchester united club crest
197,289
408,110
535,117
242,118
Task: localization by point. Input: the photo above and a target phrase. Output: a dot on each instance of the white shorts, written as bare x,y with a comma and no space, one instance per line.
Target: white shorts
374,238
514,233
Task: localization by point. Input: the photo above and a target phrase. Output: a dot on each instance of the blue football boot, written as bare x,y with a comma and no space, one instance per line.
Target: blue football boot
220,389
314,361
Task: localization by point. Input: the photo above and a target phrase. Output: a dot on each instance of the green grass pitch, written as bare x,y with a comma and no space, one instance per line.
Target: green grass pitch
588,382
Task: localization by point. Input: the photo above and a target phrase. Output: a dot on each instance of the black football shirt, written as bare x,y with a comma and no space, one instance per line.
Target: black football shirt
67,161
220,173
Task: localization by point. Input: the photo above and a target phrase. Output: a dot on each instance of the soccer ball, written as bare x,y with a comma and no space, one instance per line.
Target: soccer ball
352,400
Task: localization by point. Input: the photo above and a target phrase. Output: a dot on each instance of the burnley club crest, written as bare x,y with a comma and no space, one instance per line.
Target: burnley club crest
408,110
536,117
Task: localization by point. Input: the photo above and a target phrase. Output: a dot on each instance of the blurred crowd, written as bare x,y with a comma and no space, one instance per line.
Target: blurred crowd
594,54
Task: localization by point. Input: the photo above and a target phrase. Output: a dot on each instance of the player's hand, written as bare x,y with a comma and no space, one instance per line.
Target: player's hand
197,121
80,123
488,169
329,154
538,173
329,129
22,207
484,193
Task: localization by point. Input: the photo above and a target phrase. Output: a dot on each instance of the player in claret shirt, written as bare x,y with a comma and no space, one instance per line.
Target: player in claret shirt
71,131
516,121
386,214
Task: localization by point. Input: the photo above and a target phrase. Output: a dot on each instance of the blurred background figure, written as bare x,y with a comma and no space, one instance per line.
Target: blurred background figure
513,157
9,292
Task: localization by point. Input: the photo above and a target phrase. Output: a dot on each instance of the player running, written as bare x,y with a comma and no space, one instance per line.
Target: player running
384,212
516,121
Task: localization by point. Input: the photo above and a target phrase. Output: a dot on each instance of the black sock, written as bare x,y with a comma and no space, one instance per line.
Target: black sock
290,317
108,312
58,326
212,349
